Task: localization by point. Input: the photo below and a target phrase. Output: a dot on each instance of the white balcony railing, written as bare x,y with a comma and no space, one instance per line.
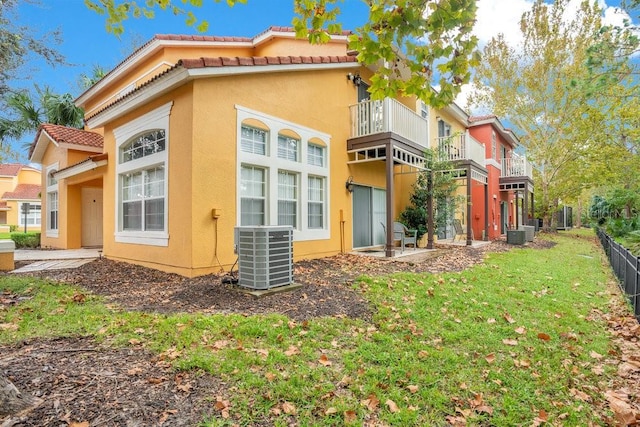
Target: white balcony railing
388,115
516,165
461,147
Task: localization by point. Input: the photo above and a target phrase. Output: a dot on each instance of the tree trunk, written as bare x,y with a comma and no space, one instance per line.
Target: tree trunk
12,402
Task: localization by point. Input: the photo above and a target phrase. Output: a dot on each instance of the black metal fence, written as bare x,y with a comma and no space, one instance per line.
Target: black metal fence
626,267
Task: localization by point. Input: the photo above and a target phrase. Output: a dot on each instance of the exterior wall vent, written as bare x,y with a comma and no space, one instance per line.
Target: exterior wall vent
265,256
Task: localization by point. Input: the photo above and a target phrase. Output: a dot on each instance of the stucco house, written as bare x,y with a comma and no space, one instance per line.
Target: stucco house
191,136
19,197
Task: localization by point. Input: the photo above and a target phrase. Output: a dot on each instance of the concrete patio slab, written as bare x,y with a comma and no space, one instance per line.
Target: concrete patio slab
56,254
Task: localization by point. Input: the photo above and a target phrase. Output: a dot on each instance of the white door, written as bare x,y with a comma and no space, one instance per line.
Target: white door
91,216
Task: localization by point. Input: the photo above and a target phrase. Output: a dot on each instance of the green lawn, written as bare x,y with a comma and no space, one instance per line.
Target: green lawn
501,344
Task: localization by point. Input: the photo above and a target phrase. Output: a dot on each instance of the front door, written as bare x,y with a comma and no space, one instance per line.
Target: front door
91,217
369,216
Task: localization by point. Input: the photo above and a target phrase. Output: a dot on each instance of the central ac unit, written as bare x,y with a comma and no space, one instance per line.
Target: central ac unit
265,256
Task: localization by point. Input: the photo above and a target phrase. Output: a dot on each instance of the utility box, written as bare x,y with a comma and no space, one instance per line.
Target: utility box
529,232
516,237
7,248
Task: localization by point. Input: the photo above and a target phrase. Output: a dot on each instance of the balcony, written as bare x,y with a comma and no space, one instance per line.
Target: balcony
388,116
516,167
461,147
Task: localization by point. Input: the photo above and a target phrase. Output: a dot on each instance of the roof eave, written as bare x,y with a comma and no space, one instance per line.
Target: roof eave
181,75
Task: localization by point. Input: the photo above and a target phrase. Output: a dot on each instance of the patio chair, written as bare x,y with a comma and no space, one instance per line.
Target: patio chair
407,237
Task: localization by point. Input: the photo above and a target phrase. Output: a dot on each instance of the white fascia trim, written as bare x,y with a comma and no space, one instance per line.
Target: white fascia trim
145,52
261,69
119,71
144,95
134,83
161,239
291,35
41,146
80,168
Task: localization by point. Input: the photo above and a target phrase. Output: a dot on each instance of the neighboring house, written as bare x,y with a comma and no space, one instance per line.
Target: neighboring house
191,136
19,197
510,178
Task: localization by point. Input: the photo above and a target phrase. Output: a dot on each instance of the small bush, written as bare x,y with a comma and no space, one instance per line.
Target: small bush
13,228
26,240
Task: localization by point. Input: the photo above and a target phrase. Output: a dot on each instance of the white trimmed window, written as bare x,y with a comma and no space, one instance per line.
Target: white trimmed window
252,195
142,171
288,185
316,211
253,140
315,155
288,199
493,145
32,215
288,148
52,201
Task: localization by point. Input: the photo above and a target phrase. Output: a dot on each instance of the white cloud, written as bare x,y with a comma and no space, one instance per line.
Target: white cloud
503,16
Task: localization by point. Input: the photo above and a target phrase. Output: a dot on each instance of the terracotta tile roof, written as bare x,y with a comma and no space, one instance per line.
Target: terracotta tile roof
23,192
262,60
192,63
10,169
196,38
481,118
67,135
202,38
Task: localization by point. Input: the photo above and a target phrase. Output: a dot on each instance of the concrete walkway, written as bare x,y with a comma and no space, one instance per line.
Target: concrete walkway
54,259
55,254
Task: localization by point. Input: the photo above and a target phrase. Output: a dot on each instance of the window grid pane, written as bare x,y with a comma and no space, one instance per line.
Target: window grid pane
315,155
143,145
143,200
252,195
253,140
287,198
52,206
288,148
315,205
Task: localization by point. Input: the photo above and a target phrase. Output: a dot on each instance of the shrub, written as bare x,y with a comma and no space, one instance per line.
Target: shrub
13,228
633,240
26,240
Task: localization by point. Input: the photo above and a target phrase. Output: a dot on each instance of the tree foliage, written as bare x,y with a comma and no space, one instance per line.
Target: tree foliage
18,45
545,87
412,43
24,113
444,187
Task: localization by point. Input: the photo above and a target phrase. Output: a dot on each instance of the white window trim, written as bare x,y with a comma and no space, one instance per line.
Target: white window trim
156,119
21,215
51,232
272,164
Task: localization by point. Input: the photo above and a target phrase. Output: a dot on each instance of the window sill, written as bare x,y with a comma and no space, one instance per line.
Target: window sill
52,233
142,238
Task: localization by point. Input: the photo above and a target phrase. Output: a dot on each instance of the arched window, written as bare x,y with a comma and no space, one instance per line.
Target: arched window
146,144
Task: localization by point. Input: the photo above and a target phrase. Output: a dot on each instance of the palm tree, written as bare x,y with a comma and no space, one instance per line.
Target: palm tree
25,115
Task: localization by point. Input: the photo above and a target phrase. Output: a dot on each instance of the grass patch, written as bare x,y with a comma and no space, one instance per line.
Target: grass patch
494,345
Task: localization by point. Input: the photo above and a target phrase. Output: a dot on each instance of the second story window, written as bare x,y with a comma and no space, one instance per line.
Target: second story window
288,148
144,145
253,140
493,145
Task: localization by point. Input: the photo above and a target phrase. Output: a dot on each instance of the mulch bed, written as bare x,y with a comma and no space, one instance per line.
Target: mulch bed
84,383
